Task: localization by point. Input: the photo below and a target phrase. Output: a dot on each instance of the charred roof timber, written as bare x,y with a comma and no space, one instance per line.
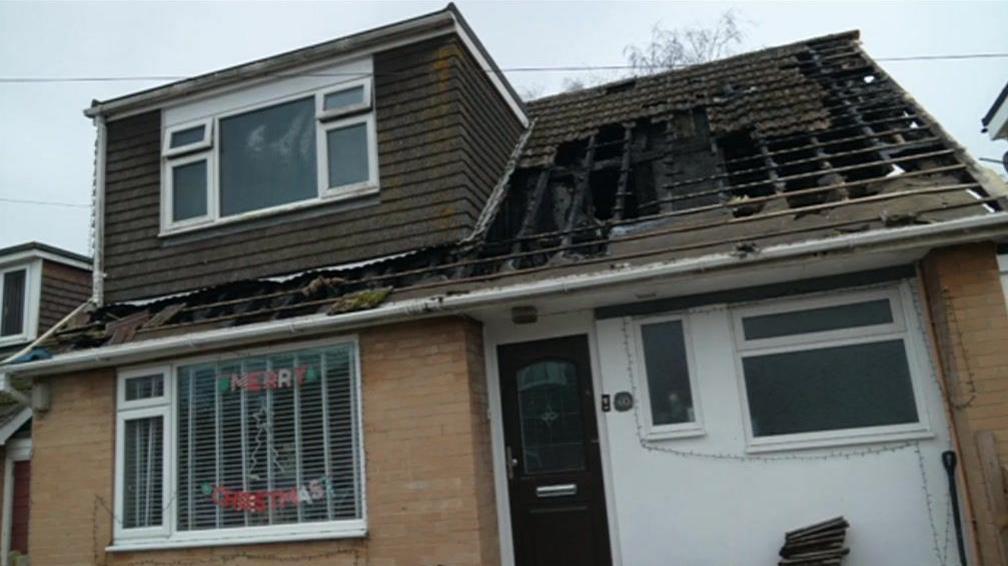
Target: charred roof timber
805,141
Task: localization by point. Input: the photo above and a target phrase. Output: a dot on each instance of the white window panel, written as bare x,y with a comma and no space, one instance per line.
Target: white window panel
350,148
187,138
349,98
266,447
20,287
666,375
828,370
186,199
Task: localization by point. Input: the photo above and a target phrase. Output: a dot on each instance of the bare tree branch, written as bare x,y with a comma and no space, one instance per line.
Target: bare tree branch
681,47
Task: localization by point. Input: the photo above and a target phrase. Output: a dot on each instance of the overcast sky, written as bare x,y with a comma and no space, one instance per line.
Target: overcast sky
46,149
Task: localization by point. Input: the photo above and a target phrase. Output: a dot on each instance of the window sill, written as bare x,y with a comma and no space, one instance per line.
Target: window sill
691,430
330,197
16,339
840,439
357,529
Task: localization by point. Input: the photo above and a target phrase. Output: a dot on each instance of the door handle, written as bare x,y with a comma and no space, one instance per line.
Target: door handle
511,462
558,490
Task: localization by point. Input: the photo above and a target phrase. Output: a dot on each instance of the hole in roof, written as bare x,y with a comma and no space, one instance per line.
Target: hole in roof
868,79
896,170
603,185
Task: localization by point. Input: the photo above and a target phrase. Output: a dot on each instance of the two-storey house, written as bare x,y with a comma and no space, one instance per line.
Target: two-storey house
358,304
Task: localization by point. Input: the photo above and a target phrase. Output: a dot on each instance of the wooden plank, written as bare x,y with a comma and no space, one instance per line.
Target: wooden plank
994,485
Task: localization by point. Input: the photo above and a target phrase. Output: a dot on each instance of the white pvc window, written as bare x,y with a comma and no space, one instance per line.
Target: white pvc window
267,156
824,370
19,290
666,376
262,447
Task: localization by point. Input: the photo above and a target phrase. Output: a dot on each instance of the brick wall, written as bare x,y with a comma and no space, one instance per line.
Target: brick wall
970,325
426,436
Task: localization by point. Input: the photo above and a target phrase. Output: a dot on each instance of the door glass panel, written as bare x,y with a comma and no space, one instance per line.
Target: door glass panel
549,409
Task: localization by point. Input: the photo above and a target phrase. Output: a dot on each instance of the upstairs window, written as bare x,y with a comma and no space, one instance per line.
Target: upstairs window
283,150
17,312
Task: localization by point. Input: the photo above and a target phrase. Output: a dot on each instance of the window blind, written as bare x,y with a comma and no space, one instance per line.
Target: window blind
143,463
268,440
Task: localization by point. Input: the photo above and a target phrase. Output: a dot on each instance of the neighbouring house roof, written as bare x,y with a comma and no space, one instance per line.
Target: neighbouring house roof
996,119
12,418
807,142
38,249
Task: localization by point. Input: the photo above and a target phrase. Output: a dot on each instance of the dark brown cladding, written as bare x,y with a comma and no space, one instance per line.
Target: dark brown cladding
64,288
444,136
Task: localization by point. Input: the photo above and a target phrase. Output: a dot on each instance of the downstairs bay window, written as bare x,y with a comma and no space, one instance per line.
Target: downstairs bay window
261,447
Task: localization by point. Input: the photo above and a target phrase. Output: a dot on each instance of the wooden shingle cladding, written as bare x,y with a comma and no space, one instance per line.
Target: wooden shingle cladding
64,288
444,135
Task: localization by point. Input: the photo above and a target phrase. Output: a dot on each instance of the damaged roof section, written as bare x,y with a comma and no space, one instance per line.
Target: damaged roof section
803,142
788,144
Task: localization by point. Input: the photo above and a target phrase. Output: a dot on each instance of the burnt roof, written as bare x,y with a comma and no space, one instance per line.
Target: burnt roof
807,141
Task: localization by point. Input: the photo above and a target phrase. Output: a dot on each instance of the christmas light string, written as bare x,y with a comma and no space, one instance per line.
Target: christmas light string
941,550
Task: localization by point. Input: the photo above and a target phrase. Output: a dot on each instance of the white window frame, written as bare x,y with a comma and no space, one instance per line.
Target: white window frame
267,96
30,308
322,142
168,537
133,410
666,431
324,115
168,203
902,328
205,143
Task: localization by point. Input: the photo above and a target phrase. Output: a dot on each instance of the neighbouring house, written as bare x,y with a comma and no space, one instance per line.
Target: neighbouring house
358,304
39,286
995,122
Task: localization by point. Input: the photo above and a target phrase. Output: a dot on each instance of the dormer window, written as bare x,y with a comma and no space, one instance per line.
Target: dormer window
299,141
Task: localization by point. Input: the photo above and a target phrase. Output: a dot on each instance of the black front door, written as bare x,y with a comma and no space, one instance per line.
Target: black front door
558,512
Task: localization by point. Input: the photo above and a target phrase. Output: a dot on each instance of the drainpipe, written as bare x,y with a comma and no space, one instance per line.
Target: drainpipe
98,201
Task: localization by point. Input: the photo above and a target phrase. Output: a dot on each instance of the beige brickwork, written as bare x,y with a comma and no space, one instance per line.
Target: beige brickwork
970,325
430,497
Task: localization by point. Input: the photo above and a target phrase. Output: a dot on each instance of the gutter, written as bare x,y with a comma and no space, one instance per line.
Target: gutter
946,233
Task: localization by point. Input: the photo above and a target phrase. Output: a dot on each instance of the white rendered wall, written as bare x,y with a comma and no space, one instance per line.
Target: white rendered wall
723,506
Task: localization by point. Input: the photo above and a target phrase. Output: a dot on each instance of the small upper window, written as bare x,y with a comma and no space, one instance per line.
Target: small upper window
12,321
671,405
191,136
343,98
144,387
279,153
825,371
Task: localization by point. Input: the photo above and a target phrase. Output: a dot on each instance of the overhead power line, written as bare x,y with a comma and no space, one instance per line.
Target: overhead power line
45,203
532,69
